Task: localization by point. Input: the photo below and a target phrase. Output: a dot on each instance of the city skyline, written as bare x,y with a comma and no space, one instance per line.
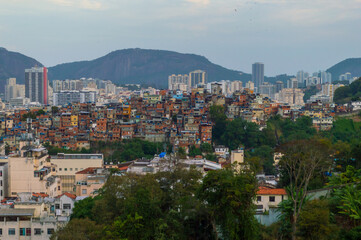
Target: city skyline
284,35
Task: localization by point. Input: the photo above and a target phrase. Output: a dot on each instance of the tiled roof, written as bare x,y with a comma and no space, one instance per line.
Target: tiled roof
72,196
271,191
43,195
89,170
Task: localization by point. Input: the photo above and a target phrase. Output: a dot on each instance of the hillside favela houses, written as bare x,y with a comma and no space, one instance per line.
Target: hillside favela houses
62,140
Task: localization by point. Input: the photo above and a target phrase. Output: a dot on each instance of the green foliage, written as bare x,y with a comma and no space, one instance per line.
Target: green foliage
350,202
314,221
265,153
206,148
79,229
155,206
219,118
353,234
347,93
52,150
310,92
181,153
229,197
83,208
194,151
240,132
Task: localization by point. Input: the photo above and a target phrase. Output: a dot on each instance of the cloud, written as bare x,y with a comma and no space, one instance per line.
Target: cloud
201,2
83,4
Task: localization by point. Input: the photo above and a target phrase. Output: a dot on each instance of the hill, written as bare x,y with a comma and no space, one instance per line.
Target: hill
351,65
348,93
12,64
143,66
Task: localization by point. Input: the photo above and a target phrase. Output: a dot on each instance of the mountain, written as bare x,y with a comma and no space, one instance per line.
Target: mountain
351,65
143,66
13,64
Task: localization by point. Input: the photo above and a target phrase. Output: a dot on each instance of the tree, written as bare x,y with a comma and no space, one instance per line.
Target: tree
219,118
181,153
194,151
351,202
302,160
229,197
83,208
79,229
314,221
206,148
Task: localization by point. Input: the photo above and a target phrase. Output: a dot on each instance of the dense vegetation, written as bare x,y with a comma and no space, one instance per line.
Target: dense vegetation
310,92
168,205
116,152
178,205
348,93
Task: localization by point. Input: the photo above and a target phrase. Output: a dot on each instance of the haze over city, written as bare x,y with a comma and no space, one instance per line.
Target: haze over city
286,35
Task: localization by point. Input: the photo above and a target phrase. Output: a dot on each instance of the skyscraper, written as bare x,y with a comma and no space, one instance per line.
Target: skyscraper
301,78
258,74
197,77
36,84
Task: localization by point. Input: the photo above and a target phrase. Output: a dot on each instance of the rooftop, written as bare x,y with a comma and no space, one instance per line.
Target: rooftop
7,212
271,191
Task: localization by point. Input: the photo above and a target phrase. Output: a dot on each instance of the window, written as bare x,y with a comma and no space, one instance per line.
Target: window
58,187
65,169
60,169
1,173
37,231
272,198
57,206
66,206
71,169
83,191
259,198
22,231
50,231
76,169
11,231
28,232
1,231
1,183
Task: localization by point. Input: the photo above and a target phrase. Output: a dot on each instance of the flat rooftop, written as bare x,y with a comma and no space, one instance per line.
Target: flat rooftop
11,212
77,156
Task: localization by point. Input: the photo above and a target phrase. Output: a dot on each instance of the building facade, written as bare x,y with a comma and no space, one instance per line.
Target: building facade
36,84
257,74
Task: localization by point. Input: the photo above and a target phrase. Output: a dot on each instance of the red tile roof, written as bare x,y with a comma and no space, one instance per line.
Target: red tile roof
72,196
89,170
271,191
43,195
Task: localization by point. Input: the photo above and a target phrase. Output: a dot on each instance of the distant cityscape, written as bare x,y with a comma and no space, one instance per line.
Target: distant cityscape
74,114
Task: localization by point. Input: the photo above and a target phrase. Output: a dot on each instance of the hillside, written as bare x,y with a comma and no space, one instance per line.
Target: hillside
351,65
348,93
143,66
12,64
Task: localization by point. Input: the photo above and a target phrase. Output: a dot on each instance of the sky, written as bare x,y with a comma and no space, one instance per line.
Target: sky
286,35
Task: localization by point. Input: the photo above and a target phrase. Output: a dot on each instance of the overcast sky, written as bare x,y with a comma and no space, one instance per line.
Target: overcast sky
287,35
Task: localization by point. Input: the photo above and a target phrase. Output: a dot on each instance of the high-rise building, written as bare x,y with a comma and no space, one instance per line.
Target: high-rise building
267,89
36,84
301,78
250,85
292,83
326,77
279,86
178,82
67,97
13,90
258,74
197,77
236,86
